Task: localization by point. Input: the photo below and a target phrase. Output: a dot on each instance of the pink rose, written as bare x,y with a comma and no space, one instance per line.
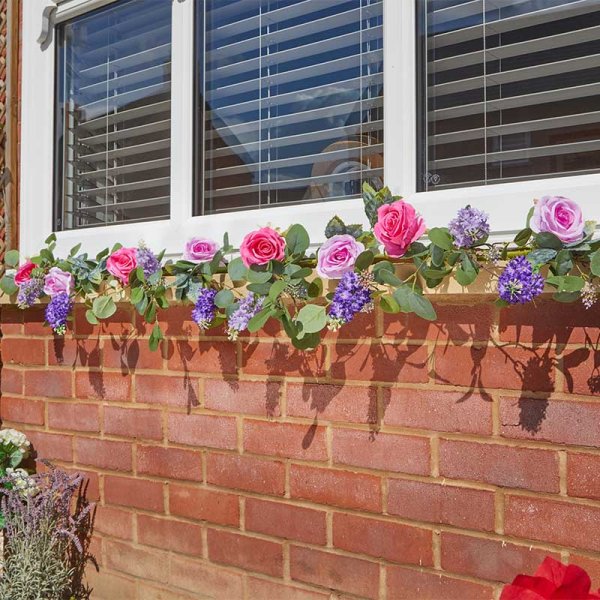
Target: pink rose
261,246
121,263
398,226
337,256
559,216
23,273
200,250
57,281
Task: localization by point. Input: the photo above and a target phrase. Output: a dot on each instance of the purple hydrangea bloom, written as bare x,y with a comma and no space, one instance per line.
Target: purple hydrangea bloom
29,292
204,311
351,296
469,227
247,308
57,312
518,283
147,260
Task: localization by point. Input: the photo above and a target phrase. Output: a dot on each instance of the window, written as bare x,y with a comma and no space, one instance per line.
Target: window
509,90
113,115
290,101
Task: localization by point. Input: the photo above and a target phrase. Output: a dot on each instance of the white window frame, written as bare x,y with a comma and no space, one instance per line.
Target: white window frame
506,203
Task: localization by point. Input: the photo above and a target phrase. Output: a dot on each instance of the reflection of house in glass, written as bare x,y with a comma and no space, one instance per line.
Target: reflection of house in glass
293,102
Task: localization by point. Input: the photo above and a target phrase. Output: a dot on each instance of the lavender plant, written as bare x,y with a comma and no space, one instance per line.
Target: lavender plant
46,540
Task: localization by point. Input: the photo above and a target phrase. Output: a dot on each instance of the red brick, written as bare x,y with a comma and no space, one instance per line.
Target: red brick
22,410
120,324
34,318
505,466
52,446
548,321
588,564
201,357
562,523
286,521
130,354
159,389
380,362
115,456
108,586
385,451
74,417
392,541
493,367
114,522
204,505
23,351
136,493
580,368
246,473
245,552
203,430
408,583
455,322
11,381
170,463
339,573
149,592
170,535
332,402
139,562
133,423
285,440
66,351
177,320
440,411
52,384
91,482
262,589
439,503
215,582
582,475
495,560
340,488
245,397
12,320
280,358
551,420
99,385
362,326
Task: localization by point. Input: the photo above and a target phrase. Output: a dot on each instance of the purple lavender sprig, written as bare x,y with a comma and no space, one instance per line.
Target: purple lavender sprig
352,295
247,308
519,283
57,312
29,292
205,309
469,227
147,260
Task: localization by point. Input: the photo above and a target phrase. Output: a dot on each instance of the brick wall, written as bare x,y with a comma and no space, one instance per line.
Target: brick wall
401,460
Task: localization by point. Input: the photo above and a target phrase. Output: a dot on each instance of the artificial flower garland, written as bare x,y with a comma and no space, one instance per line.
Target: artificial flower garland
274,274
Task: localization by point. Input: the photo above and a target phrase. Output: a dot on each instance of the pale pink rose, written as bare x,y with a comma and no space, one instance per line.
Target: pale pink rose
23,273
398,226
200,250
121,262
57,281
261,246
560,216
337,256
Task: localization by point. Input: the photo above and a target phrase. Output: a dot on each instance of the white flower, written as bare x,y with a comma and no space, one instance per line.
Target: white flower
22,481
15,438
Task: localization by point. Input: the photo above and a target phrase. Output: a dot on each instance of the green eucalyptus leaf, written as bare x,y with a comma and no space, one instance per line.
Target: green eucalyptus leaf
104,307
388,277
566,283
276,289
548,240
315,288
137,294
255,276
237,270
91,317
441,237
297,240
412,301
8,285
563,263
541,256
523,237
75,249
595,263
467,273
258,320
11,258
262,289
312,317
566,297
301,273
50,239
155,337
389,304
307,341
224,298
364,260
437,255
416,249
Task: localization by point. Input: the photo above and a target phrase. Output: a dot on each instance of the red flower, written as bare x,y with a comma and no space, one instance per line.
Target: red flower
552,580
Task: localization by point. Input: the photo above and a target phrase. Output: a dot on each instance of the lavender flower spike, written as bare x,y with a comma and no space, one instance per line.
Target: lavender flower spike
29,292
204,311
58,310
469,227
247,308
351,296
518,283
147,260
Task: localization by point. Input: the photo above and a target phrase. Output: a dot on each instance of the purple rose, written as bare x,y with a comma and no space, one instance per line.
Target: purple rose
559,216
337,256
58,281
200,250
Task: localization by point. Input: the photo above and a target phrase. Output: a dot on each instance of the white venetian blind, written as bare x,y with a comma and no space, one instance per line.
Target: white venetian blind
290,101
510,90
113,117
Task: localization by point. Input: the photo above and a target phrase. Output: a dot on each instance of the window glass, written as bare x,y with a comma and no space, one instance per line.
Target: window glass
289,101
509,90
113,115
